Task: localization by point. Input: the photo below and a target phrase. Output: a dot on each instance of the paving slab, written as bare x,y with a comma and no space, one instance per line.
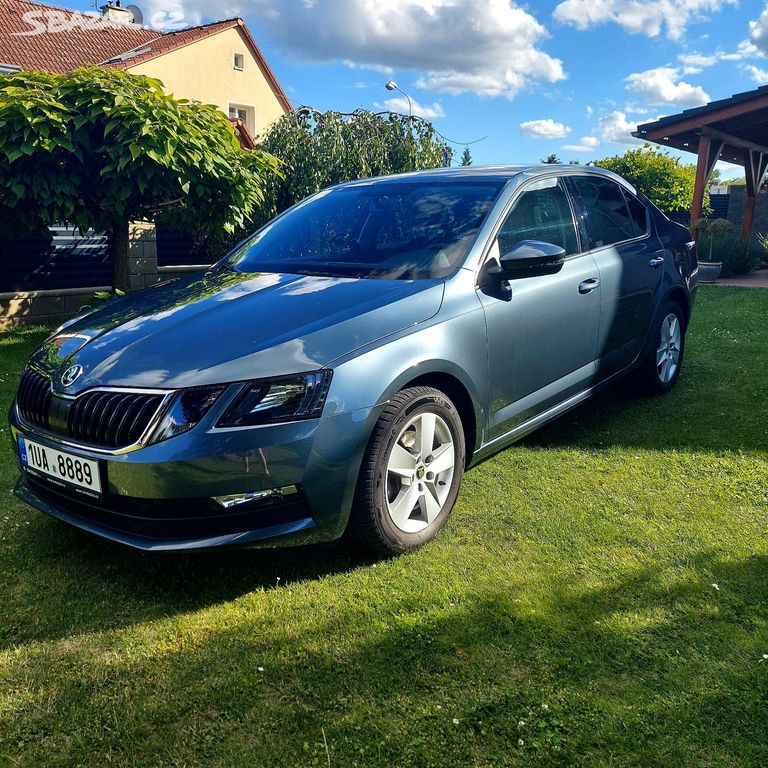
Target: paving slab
758,279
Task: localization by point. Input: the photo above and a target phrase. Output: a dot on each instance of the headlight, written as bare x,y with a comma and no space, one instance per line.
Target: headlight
187,408
287,398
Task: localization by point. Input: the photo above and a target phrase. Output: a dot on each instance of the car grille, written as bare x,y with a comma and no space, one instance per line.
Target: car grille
103,419
34,398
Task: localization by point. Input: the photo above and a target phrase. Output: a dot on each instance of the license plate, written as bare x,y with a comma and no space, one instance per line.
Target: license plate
61,469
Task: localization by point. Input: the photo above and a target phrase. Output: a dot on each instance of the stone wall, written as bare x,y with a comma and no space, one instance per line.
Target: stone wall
737,203
43,307
142,255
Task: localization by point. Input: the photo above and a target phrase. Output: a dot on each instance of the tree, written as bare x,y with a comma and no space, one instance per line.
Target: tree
663,179
98,148
552,159
318,149
466,157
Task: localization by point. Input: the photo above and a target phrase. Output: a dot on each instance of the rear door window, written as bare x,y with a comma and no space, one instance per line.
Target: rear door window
638,213
608,219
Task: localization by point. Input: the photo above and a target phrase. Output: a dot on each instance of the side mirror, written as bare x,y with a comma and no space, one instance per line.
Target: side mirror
528,258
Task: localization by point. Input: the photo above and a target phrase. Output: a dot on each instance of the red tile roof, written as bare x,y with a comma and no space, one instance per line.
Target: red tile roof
87,41
65,50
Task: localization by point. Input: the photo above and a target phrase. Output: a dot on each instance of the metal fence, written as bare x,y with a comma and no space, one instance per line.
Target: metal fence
68,260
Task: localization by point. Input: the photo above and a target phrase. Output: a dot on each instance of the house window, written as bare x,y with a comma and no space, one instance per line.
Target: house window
238,60
244,113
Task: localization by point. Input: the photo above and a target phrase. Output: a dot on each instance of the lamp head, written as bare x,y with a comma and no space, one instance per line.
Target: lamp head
391,85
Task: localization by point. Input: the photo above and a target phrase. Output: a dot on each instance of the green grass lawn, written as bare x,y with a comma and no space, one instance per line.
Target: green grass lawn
599,598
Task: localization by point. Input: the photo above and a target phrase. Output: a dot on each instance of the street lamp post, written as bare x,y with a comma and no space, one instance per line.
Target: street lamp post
393,86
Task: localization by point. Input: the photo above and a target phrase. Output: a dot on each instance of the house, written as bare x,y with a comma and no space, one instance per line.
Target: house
217,63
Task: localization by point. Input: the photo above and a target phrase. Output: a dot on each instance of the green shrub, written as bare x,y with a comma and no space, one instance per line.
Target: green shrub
664,179
737,256
709,230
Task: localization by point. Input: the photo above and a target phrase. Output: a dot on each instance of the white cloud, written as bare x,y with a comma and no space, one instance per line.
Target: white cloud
760,76
370,67
614,128
662,86
587,144
544,129
427,111
589,111
638,17
693,63
635,109
489,47
754,47
758,33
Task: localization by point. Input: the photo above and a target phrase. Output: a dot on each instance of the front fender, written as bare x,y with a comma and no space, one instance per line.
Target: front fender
455,347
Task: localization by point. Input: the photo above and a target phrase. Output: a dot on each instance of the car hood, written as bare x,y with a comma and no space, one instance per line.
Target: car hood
224,326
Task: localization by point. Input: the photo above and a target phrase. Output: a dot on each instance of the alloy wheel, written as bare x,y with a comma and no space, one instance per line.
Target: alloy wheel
668,352
419,472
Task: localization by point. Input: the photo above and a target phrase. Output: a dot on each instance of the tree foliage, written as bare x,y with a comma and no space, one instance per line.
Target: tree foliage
318,149
663,179
552,159
466,157
98,148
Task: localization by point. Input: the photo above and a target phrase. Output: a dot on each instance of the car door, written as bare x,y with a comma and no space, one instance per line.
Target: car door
542,330
630,258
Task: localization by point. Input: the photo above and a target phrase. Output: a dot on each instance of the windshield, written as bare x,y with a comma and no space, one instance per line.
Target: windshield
388,230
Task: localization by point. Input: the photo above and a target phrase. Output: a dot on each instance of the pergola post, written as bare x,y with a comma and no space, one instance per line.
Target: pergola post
749,214
708,155
755,164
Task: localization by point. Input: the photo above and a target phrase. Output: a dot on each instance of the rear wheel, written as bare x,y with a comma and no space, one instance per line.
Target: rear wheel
660,369
411,472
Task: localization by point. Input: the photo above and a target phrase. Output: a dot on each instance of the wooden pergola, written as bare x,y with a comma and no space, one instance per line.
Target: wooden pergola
734,130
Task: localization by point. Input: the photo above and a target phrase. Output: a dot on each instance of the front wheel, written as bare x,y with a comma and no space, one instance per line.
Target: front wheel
411,472
660,369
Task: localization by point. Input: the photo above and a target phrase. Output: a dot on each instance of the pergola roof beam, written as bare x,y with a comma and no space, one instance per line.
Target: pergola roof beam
733,141
734,129
667,127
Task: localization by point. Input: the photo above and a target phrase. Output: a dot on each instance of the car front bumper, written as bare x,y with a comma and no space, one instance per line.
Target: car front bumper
300,476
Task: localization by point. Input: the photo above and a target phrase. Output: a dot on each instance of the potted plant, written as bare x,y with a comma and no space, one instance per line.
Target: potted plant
707,232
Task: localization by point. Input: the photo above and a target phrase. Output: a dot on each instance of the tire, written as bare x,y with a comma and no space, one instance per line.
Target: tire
660,369
400,504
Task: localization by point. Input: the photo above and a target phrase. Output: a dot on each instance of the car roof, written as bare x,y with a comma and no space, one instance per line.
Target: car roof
500,173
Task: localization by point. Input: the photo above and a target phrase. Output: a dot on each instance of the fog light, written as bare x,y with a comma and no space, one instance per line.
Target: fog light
236,499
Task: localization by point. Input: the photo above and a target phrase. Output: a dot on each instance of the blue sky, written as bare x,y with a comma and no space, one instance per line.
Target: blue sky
571,77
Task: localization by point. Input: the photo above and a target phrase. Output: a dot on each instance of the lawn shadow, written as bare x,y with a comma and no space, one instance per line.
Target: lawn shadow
63,564
620,416
683,686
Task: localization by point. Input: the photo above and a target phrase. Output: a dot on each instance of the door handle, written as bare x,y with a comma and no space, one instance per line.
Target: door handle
656,261
589,285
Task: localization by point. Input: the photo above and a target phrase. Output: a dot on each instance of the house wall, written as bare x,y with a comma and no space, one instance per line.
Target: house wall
204,71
